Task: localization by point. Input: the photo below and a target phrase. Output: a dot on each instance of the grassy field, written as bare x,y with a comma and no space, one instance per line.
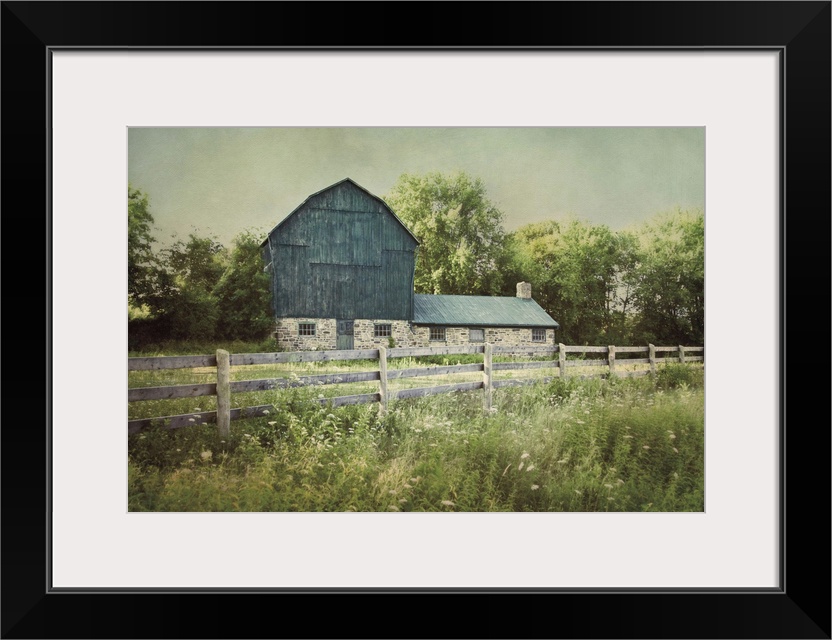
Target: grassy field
569,445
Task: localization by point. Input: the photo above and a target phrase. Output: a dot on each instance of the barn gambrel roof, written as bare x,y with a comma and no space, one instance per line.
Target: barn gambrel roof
332,186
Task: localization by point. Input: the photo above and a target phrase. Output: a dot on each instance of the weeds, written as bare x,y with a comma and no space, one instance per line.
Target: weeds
571,445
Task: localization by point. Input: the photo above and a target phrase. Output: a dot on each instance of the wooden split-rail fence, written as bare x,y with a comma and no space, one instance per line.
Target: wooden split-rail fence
224,386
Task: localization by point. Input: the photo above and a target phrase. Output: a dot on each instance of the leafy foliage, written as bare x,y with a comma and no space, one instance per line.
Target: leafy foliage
141,261
197,262
627,287
577,272
462,247
194,289
182,299
243,292
669,280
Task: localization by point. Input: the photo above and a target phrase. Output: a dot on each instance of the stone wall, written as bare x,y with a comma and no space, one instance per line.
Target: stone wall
286,332
403,336
403,333
499,336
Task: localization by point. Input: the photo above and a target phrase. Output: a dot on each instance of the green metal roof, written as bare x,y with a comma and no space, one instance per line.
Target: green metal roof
487,311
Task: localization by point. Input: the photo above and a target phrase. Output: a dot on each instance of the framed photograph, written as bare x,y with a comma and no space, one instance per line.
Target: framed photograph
754,76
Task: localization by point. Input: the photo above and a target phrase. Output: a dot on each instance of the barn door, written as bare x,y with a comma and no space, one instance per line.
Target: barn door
344,335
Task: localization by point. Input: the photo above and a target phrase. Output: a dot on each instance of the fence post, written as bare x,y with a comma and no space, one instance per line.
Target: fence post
612,359
487,377
681,354
652,357
562,360
382,376
223,392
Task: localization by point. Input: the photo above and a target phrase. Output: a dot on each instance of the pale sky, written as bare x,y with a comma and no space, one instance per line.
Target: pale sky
224,180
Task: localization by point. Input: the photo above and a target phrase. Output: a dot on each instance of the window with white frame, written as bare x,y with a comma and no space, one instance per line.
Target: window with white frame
306,328
538,335
437,334
382,330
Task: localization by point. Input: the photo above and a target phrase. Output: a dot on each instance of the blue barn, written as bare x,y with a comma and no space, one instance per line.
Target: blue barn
342,267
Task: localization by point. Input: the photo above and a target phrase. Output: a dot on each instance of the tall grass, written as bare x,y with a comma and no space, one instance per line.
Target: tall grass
571,445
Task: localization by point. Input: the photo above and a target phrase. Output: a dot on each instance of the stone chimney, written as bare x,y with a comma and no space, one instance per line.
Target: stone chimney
524,290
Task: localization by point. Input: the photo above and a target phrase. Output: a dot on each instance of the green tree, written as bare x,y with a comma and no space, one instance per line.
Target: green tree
462,248
196,266
243,292
181,297
142,263
669,280
197,262
578,274
192,314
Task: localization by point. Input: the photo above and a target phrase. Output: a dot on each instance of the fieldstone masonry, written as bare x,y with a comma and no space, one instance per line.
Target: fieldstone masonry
286,333
403,336
403,333
508,336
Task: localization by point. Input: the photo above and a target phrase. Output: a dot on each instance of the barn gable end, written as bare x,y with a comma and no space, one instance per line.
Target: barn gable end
342,254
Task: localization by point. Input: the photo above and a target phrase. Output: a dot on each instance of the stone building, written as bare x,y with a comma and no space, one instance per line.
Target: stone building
342,271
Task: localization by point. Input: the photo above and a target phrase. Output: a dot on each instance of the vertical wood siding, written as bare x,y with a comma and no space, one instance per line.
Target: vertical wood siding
342,255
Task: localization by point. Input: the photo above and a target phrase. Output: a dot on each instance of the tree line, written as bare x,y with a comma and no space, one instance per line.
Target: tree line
195,289
634,286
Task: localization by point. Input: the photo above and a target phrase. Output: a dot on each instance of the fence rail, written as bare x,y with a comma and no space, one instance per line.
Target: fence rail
222,362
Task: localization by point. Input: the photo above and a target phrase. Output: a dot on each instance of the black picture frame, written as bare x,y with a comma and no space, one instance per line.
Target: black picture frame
800,31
